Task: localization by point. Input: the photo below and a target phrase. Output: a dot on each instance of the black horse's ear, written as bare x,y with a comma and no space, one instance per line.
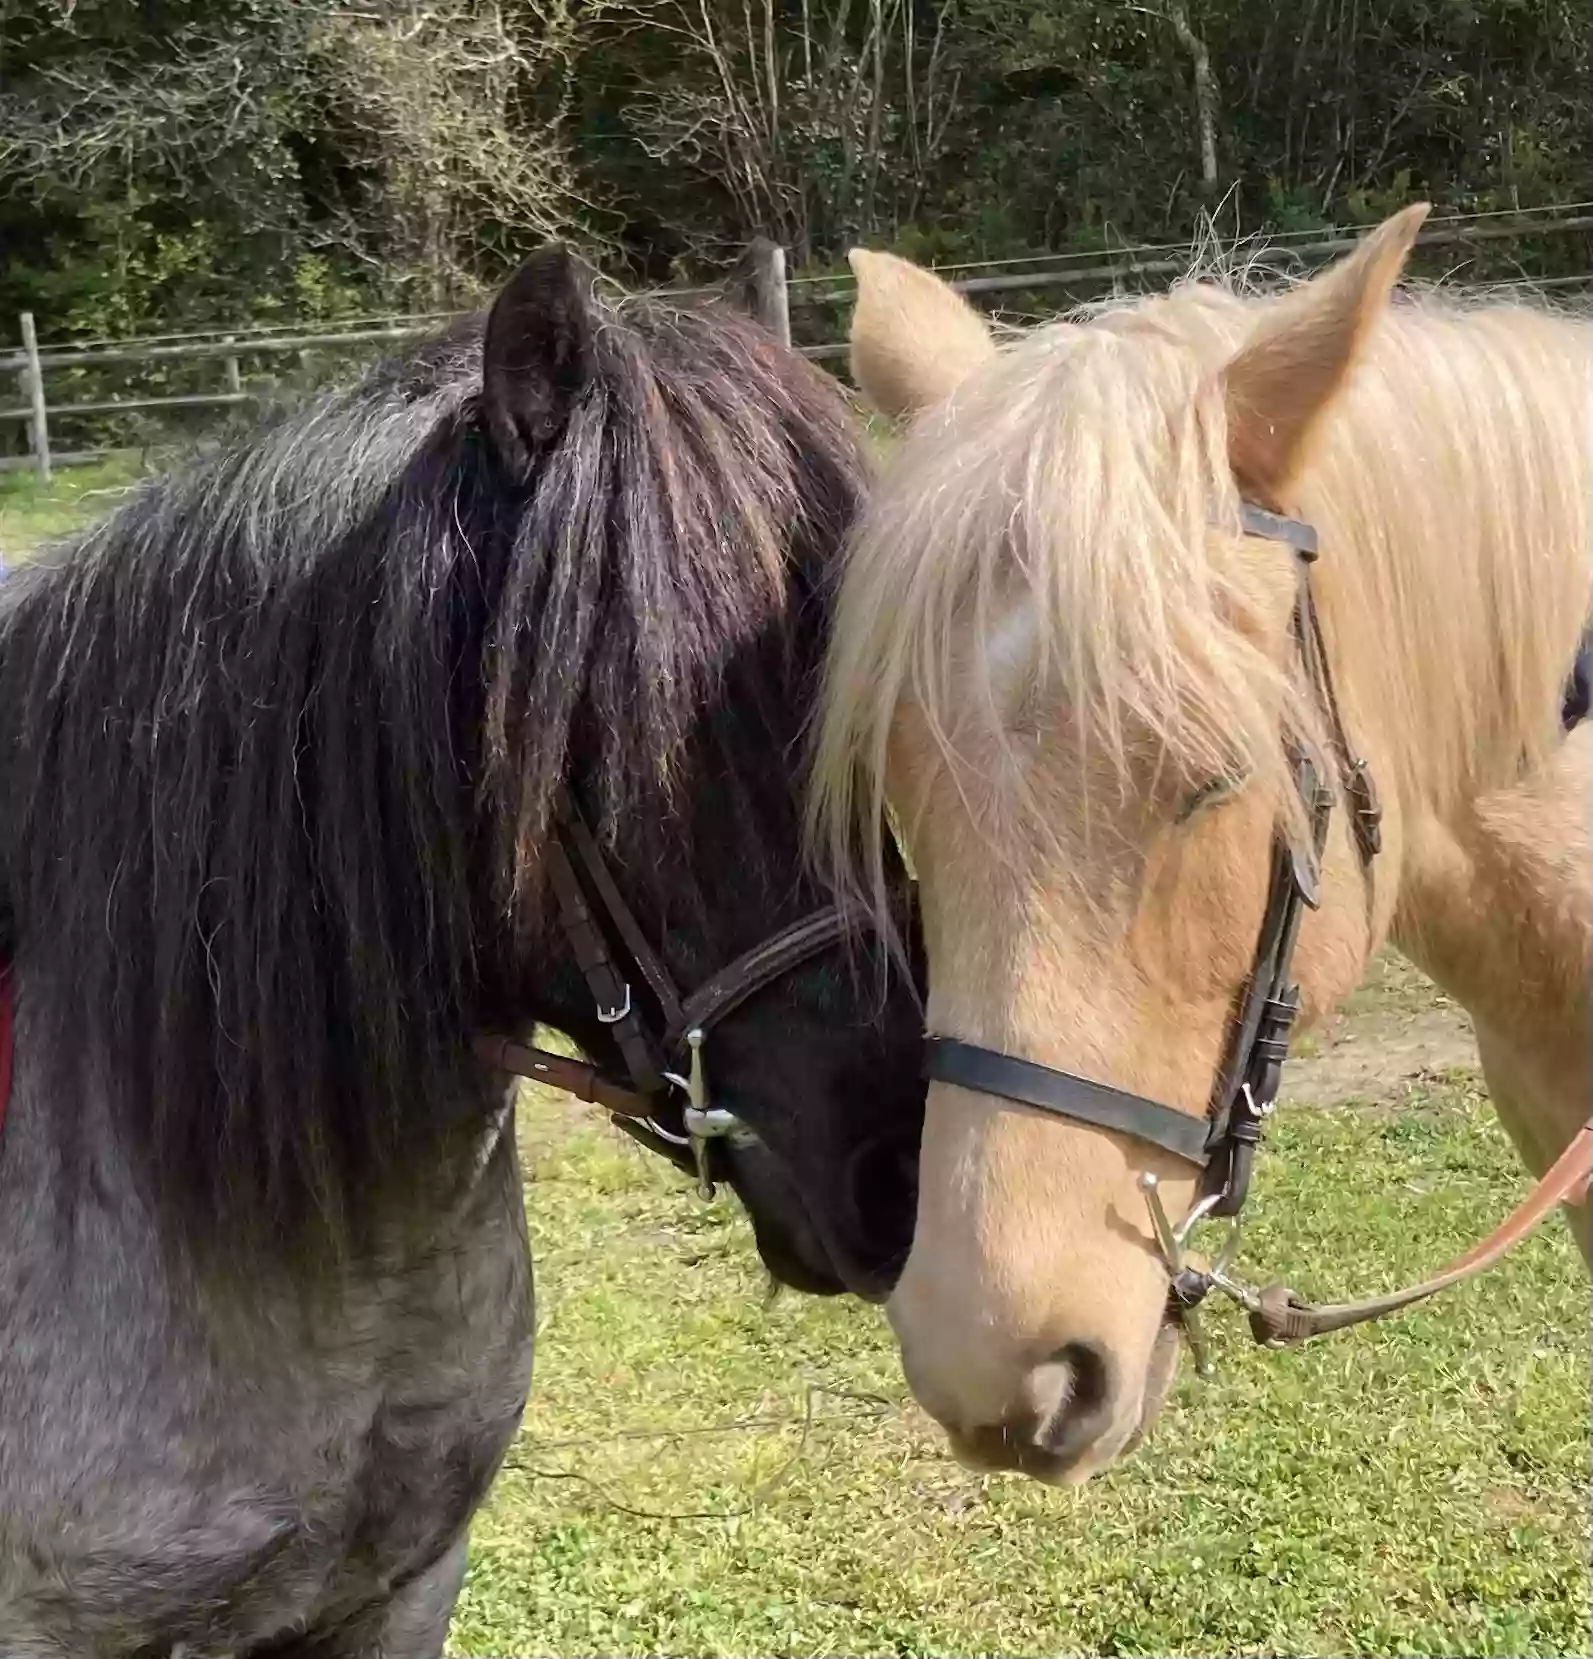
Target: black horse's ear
537,354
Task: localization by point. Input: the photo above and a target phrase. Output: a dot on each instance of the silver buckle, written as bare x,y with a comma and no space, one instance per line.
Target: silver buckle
612,1016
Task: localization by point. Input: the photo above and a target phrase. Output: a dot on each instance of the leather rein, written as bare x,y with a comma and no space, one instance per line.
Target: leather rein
663,1061
1222,1146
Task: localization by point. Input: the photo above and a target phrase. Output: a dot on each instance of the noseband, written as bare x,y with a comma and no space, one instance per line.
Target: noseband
1222,1145
665,1060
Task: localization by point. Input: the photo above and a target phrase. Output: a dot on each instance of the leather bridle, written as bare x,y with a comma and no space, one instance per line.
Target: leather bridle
664,1058
653,1054
1222,1145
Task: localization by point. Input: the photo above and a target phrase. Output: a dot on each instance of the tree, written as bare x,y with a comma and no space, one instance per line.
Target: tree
161,153
448,118
185,153
1205,86
818,126
173,162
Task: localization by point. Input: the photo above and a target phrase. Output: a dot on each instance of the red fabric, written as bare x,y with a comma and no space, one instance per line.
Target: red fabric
5,1042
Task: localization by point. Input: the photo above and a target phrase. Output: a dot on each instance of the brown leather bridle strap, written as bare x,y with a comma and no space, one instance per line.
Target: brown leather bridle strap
750,973
759,967
646,1054
619,914
558,1071
1355,776
611,991
1281,1318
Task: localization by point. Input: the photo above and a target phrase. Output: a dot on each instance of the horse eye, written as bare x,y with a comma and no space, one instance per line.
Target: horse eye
1210,793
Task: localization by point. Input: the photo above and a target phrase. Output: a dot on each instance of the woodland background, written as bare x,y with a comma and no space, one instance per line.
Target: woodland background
189,163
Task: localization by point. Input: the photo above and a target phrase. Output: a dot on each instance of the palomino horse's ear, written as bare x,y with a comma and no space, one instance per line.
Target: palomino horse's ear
537,354
1289,371
913,337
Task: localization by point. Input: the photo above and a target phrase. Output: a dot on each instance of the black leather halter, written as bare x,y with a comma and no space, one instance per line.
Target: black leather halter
1223,1144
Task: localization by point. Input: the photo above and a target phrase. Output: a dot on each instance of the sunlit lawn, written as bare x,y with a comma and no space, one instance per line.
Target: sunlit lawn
31,513
701,1474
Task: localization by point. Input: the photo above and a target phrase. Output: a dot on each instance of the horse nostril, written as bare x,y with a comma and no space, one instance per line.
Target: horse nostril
1074,1390
1065,1410
1091,1374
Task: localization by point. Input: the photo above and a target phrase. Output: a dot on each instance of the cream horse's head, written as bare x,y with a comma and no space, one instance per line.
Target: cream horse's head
1075,680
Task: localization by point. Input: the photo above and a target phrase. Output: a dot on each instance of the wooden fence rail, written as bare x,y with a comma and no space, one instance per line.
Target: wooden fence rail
762,277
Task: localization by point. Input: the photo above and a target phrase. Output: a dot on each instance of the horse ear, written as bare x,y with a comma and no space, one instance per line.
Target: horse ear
913,337
537,353
1288,373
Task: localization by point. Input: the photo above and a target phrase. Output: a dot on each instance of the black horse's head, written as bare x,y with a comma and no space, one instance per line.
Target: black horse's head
289,734
676,490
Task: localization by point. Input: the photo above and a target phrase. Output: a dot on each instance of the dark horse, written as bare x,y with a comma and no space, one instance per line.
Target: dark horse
281,749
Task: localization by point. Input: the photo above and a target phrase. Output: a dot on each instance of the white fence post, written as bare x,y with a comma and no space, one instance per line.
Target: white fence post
33,378
234,377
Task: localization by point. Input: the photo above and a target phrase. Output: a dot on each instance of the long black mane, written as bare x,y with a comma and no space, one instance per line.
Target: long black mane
279,740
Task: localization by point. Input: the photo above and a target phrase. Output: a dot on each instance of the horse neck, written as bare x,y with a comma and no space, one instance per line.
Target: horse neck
1451,500
1496,906
1454,585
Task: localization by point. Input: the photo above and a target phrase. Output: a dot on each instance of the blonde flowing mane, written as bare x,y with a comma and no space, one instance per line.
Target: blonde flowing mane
1077,477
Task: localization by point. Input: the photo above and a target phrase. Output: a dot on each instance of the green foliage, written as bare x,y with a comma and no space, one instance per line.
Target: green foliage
217,160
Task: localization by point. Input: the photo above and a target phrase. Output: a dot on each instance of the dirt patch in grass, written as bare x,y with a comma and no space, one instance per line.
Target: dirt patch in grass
1396,1030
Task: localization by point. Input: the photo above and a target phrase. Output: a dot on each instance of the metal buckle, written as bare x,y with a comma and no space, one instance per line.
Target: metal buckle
612,1016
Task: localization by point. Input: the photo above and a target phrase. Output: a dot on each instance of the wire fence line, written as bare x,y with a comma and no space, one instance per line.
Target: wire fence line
1277,240
762,279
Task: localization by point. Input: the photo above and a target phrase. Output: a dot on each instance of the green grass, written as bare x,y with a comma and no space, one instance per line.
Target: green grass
31,514
701,1474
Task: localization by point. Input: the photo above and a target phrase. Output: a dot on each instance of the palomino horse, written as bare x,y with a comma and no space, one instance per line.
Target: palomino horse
465,699
1147,612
